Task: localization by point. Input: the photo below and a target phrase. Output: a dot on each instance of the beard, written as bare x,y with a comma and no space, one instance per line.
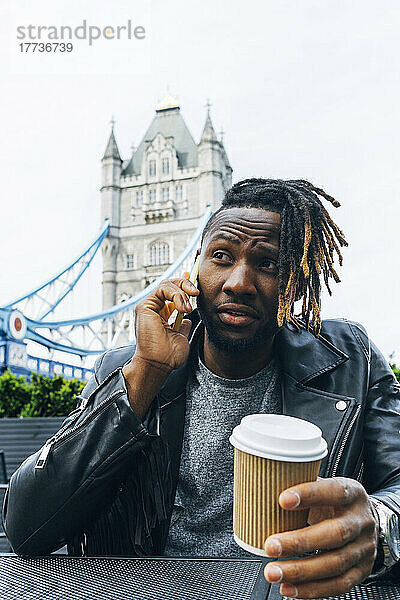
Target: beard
232,346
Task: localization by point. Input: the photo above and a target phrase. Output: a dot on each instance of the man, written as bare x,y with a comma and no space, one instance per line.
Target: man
144,466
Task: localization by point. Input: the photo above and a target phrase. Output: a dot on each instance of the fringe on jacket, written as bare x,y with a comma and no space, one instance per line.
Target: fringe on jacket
140,505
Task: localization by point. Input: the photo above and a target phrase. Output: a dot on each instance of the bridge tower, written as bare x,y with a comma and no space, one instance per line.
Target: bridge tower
155,199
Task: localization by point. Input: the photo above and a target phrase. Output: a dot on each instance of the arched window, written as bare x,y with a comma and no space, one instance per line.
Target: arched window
165,166
130,261
159,253
152,168
178,193
139,197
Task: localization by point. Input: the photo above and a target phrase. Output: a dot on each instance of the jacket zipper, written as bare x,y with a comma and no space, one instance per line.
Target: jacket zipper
46,448
76,412
67,431
344,441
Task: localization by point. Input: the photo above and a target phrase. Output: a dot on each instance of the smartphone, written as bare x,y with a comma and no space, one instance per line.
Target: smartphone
193,278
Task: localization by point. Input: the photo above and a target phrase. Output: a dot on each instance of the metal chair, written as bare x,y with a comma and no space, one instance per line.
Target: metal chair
3,469
3,486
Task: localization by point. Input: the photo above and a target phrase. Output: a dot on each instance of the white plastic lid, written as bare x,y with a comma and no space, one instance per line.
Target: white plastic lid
279,437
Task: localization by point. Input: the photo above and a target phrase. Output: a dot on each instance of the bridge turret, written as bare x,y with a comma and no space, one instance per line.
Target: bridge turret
215,175
110,209
111,181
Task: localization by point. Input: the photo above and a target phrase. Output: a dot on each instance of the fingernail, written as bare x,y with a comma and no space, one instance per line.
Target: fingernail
273,573
288,589
291,499
273,547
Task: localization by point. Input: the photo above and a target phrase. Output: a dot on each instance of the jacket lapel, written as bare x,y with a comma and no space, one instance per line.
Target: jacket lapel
304,359
330,412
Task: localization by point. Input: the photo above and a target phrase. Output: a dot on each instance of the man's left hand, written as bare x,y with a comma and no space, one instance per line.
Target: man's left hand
342,525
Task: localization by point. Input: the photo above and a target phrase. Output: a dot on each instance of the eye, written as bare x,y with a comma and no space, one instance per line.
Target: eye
220,255
268,263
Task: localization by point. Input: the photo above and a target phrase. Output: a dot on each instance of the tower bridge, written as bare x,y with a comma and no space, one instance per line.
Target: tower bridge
155,205
27,318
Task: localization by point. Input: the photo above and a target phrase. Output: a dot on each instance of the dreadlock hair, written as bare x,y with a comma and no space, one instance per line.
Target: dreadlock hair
308,241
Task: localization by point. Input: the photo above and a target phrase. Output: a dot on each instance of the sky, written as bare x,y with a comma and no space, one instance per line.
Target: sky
306,89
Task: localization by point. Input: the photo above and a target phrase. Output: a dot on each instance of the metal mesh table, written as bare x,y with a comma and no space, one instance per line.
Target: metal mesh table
68,578
370,592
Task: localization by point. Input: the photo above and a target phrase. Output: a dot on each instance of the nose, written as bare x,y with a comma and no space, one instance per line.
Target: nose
240,281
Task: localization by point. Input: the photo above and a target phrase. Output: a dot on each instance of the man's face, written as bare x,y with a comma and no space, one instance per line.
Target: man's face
238,278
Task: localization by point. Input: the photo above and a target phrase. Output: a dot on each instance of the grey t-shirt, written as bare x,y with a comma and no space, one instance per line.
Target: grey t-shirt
201,523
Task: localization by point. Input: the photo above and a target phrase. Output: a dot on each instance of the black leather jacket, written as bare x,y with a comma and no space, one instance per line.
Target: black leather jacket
105,484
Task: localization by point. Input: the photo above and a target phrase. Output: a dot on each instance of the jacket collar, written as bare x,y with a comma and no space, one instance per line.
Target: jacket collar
302,356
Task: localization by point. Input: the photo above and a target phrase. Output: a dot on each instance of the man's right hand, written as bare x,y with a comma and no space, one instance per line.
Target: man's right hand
156,341
159,349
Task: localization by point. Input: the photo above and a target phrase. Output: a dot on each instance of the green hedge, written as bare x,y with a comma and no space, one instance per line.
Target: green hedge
396,371
41,397
48,396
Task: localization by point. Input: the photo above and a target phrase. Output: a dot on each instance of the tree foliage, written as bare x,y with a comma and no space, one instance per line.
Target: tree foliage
14,394
394,367
42,396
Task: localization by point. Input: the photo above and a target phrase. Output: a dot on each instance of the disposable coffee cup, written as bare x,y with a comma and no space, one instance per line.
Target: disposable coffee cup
271,454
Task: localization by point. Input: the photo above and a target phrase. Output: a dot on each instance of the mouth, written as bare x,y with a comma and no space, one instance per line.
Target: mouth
237,315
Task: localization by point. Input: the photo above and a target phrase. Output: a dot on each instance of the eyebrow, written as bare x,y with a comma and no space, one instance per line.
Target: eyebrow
235,240
227,237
